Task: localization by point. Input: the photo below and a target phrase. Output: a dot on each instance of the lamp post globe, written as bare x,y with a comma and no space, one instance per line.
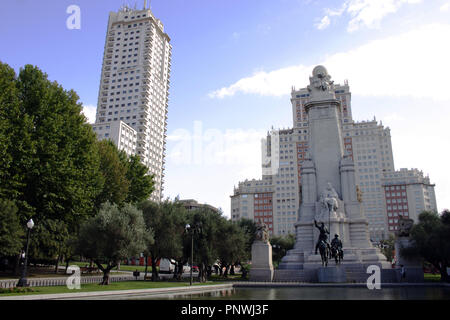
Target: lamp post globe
30,224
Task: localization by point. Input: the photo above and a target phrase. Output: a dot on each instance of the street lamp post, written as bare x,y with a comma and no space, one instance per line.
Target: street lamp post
192,230
189,230
23,278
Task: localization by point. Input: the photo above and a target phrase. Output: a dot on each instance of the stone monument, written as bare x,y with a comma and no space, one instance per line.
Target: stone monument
412,267
262,267
329,194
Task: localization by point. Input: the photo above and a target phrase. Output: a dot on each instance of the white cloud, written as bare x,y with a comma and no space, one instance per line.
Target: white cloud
90,111
408,64
445,7
366,13
323,24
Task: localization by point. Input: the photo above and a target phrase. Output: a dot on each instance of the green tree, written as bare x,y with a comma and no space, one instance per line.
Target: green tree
249,228
112,235
141,183
232,247
113,172
431,240
280,245
16,143
54,175
206,241
11,231
167,222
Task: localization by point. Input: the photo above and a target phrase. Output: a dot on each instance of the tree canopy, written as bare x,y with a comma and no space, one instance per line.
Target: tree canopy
281,244
10,229
167,220
114,234
52,166
431,240
49,162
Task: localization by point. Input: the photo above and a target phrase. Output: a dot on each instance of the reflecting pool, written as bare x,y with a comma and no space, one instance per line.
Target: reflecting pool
320,293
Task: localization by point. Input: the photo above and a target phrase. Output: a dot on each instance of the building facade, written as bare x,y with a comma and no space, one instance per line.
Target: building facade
134,88
253,199
407,194
368,143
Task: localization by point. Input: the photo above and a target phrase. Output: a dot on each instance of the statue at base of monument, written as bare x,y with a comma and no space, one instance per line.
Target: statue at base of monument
329,202
323,236
336,249
404,226
262,231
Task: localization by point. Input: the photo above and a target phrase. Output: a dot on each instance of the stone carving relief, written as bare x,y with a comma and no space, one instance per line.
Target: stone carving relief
328,203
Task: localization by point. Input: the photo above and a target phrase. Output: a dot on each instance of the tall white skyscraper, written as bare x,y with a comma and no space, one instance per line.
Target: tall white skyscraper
134,88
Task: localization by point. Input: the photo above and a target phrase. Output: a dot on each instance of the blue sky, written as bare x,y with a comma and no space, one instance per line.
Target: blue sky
233,65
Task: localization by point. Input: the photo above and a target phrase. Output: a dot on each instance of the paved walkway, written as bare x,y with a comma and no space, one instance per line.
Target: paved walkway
123,294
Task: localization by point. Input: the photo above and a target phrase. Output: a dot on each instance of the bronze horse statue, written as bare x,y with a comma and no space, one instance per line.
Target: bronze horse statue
337,253
324,252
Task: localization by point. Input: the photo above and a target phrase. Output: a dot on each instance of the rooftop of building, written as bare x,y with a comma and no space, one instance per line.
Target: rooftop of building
191,204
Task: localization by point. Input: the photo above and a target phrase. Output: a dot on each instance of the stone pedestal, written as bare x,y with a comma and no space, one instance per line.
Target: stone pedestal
413,266
262,267
331,274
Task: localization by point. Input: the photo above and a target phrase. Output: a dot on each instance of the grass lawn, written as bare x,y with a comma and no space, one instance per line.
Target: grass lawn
429,277
125,285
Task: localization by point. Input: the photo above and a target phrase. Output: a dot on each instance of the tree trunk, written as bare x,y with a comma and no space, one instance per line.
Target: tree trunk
57,264
106,271
444,275
227,267
154,270
203,273
146,267
67,265
178,274
232,270
105,280
244,272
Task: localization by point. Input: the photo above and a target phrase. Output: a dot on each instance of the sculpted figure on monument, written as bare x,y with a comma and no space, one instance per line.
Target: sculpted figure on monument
262,231
359,194
404,226
329,199
320,80
323,236
336,249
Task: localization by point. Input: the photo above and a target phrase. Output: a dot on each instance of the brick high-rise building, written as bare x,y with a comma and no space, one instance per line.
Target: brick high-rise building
407,194
134,88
